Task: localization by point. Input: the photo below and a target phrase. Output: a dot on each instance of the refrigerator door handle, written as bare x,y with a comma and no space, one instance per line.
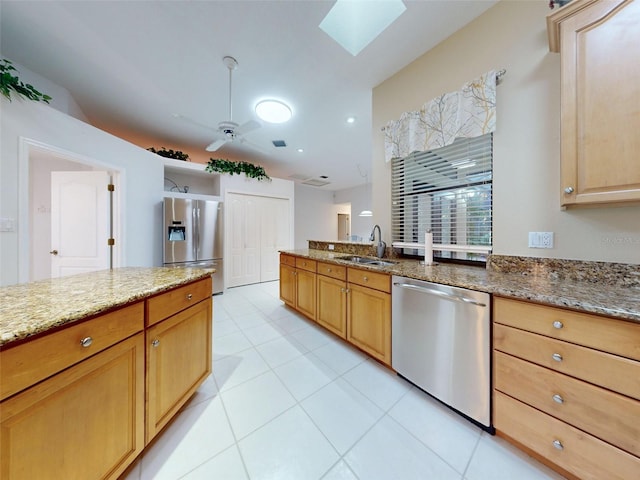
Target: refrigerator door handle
196,217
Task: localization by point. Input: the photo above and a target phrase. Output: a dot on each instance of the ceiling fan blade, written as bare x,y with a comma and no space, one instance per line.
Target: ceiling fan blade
193,122
252,145
247,127
216,144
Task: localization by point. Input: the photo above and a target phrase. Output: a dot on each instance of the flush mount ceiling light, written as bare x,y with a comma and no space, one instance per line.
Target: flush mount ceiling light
354,24
273,111
351,120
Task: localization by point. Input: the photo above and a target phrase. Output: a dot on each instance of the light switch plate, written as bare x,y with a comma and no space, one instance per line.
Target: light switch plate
7,224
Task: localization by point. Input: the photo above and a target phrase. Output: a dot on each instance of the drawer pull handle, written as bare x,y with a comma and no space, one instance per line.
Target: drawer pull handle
558,324
189,296
366,279
86,342
155,342
329,270
558,445
557,357
558,399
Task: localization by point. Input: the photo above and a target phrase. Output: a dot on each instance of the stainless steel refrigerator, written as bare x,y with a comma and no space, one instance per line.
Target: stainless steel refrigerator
193,235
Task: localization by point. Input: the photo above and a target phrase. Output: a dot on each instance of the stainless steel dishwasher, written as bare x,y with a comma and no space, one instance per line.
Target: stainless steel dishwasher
441,343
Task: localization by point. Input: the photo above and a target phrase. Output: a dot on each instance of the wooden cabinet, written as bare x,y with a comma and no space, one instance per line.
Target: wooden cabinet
178,354
298,284
352,303
369,313
76,401
332,298
599,45
566,387
306,287
85,422
288,284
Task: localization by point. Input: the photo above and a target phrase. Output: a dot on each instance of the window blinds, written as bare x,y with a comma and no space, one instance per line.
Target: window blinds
449,191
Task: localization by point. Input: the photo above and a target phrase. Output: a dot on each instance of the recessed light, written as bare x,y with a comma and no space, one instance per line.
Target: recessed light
351,119
300,150
273,111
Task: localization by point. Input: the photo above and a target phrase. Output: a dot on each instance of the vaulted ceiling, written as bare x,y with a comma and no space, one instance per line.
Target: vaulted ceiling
153,70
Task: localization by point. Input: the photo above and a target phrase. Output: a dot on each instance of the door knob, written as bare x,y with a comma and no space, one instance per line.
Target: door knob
53,252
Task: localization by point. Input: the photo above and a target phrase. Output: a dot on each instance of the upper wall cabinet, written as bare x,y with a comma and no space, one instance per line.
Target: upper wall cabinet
599,45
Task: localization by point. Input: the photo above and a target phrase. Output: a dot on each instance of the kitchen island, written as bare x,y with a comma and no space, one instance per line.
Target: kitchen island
93,366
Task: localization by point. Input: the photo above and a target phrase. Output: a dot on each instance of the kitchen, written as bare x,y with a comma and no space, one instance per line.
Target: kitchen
510,36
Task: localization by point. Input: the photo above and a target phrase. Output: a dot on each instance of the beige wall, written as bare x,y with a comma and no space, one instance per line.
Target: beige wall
512,35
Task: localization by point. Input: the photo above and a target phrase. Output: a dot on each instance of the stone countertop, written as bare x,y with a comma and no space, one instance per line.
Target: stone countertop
28,309
592,297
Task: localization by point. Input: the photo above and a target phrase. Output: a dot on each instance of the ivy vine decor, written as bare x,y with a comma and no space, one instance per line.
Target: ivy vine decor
175,154
218,165
10,82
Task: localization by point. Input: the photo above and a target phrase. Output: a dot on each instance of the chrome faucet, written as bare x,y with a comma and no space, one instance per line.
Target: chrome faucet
381,247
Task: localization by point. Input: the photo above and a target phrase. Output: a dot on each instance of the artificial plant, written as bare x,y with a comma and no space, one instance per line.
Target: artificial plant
9,82
218,165
168,153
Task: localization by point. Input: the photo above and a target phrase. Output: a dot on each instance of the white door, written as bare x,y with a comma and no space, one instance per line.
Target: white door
243,227
274,236
79,222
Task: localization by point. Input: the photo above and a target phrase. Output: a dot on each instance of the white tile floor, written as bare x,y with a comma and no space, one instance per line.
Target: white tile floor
290,401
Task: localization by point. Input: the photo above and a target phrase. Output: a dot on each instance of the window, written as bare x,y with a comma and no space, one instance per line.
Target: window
447,190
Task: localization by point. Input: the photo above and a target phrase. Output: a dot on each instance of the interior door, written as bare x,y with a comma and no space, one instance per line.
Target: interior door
274,236
80,214
244,239
344,227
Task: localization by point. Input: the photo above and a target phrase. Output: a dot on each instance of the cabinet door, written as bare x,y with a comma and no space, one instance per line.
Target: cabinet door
83,423
332,305
369,321
178,361
306,293
600,48
288,285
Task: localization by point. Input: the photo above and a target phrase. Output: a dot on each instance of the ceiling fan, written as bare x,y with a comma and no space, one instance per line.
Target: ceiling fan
228,130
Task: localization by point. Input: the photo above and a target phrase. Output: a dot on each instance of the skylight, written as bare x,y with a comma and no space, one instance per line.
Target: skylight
355,23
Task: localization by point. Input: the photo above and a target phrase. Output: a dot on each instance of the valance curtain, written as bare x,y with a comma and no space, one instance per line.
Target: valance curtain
470,112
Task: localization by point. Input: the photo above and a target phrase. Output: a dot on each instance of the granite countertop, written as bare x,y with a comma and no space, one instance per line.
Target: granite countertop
27,309
539,284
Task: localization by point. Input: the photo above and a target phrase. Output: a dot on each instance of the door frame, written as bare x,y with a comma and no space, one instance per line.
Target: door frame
25,148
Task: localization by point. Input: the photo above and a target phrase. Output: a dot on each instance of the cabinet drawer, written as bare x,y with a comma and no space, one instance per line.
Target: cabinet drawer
602,333
367,278
609,416
306,264
35,360
610,371
581,454
173,301
331,270
287,260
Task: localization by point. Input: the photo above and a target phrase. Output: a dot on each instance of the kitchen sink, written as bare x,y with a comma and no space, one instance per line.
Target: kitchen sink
367,261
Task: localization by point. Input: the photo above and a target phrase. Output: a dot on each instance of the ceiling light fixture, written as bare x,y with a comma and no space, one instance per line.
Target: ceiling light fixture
351,119
300,150
366,213
273,111
355,24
